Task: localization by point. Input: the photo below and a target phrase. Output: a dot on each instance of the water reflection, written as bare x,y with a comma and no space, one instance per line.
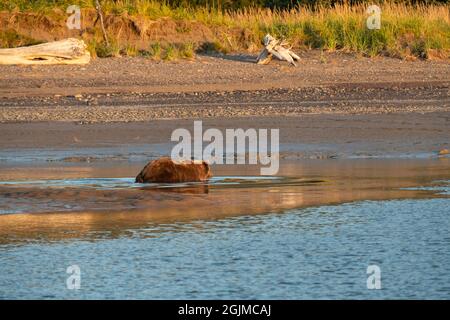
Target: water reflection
93,205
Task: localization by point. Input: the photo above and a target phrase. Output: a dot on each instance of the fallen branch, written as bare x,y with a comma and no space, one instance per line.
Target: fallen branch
100,15
67,51
277,49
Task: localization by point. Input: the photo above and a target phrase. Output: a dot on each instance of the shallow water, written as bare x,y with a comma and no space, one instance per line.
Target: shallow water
310,232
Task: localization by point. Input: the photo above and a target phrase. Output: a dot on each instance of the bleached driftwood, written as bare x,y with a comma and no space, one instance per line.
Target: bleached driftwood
277,49
67,51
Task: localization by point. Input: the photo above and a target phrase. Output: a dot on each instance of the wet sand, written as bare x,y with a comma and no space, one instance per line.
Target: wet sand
304,137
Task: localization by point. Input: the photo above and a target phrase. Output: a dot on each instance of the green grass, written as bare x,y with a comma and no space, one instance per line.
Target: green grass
42,5
155,51
187,50
10,39
406,30
168,52
98,48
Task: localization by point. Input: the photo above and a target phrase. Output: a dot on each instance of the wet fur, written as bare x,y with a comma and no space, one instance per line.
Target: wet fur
168,171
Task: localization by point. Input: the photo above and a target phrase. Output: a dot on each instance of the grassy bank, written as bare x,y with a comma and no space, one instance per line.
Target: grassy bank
156,30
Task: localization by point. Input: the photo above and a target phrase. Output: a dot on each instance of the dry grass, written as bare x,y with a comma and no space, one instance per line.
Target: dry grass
404,29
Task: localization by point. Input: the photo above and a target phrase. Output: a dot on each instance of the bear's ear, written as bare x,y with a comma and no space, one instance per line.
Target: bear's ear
206,165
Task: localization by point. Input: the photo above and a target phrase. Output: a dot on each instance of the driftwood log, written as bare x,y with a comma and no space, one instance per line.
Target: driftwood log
277,49
67,51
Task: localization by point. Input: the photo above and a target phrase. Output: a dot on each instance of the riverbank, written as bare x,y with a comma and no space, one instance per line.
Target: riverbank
156,30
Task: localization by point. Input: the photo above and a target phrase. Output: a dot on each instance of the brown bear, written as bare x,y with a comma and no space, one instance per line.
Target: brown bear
168,171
